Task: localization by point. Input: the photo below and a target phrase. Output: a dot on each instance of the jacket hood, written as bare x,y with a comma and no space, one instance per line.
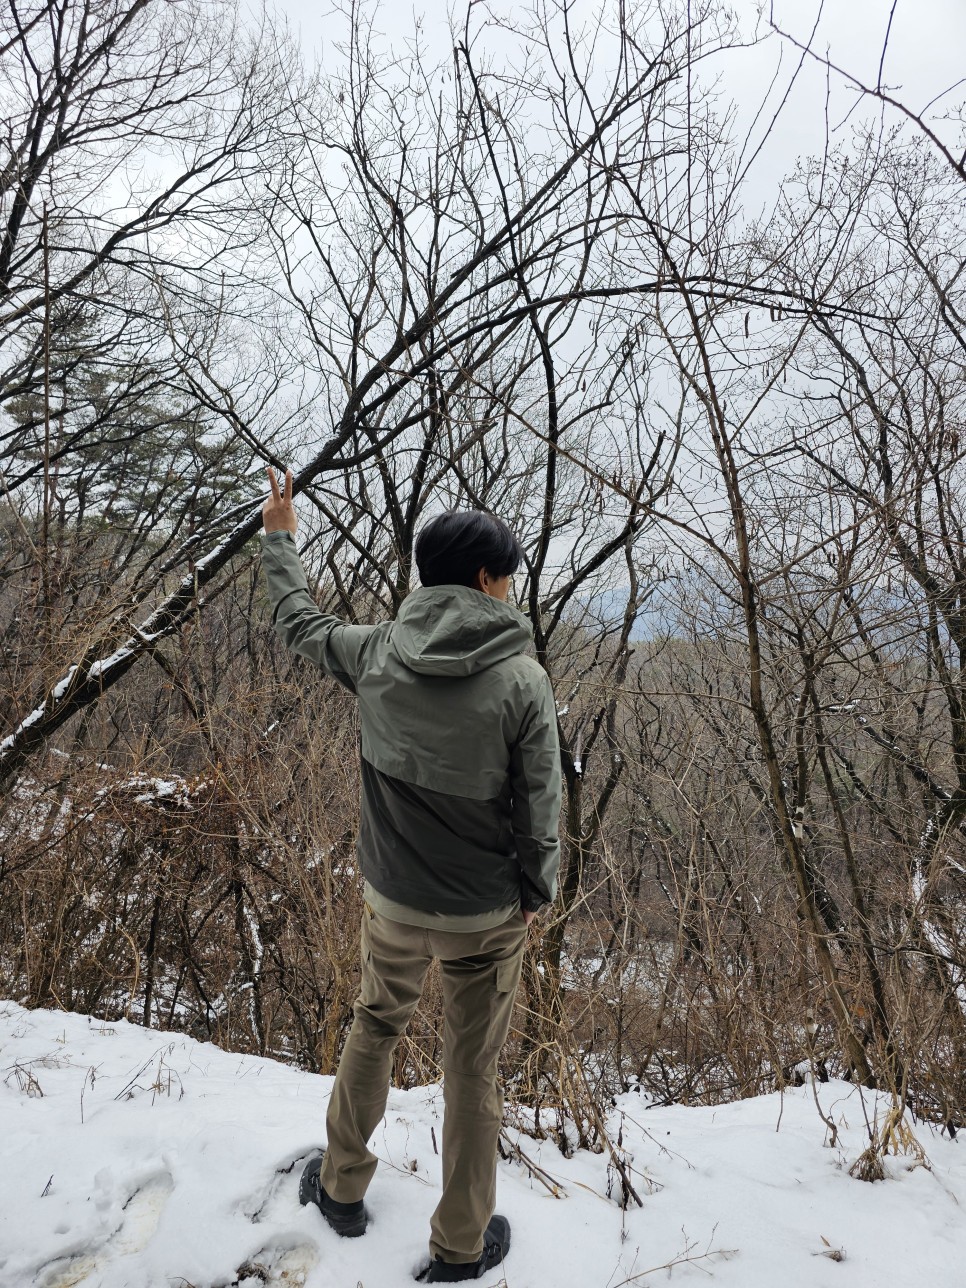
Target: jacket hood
455,630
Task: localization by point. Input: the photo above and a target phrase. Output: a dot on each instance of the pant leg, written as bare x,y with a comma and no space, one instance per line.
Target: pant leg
395,959
480,973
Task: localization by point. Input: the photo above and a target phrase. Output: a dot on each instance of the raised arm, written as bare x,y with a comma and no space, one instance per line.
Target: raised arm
324,639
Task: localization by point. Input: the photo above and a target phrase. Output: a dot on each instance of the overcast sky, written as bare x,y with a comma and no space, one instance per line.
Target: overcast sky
926,55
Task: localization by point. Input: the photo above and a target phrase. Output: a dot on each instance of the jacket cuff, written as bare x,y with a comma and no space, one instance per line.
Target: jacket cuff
279,534
531,900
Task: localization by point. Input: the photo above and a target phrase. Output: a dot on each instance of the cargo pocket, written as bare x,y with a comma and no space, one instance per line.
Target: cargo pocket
506,976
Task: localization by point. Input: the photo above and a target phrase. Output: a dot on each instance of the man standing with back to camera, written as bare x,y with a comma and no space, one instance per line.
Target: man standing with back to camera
457,845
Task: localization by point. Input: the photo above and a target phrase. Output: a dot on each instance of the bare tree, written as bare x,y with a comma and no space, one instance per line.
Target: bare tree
525,236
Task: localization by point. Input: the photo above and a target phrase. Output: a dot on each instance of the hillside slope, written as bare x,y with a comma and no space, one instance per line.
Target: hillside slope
134,1158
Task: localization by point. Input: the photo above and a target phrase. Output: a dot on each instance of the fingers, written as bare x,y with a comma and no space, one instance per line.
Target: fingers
283,498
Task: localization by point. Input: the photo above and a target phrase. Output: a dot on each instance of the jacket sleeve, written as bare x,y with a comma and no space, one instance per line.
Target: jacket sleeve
536,789
326,640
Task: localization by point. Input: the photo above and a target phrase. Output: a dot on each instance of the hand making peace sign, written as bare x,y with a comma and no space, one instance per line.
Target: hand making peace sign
278,512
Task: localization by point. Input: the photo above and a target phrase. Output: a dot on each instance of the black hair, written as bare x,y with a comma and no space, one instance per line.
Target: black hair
453,547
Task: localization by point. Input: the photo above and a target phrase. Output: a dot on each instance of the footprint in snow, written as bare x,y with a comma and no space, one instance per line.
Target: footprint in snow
282,1192
277,1266
287,1261
140,1215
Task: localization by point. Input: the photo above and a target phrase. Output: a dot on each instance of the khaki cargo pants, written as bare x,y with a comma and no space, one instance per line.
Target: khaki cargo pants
480,972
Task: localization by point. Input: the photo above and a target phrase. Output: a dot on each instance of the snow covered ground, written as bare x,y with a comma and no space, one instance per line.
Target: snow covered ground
135,1159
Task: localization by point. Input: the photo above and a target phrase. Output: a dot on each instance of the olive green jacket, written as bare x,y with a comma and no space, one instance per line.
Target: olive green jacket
460,760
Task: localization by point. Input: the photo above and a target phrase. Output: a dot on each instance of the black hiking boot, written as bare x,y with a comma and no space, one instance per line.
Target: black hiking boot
347,1219
496,1244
